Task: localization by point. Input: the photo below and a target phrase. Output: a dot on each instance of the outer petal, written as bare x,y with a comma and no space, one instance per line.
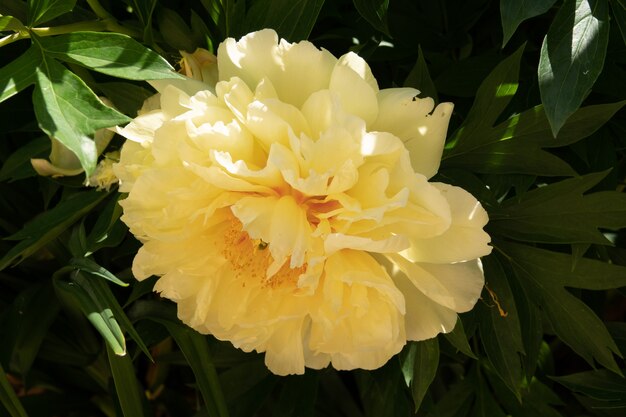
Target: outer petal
409,118
463,241
353,82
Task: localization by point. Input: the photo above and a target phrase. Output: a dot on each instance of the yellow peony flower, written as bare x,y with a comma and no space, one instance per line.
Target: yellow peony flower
287,208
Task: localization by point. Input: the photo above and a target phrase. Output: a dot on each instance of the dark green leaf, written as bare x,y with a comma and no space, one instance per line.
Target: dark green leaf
560,213
11,23
127,98
298,395
292,19
544,274
375,12
49,225
600,385
514,12
458,339
8,398
420,361
19,74
69,111
456,401
572,57
109,53
619,12
499,325
515,146
40,11
382,391
34,311
127,387
18,166
486,404
419,78
195,349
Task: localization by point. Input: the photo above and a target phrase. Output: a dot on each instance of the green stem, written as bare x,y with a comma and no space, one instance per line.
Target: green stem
106,25
99,10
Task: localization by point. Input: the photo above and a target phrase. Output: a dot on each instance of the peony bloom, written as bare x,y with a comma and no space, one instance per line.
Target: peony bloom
287,208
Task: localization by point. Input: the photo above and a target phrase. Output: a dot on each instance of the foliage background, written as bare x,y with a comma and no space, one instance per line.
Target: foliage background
538,135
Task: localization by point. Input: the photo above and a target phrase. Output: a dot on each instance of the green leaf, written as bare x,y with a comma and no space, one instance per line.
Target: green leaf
292,19
34,311
486,404
515,145
19,74
456,401
375,12
17,165
49,225
572,57
90,266
98,313
109,53
8,398
545,274
69,111
127,387
11,23
195,349
514,12
499,325
419,78
126,97
619,12
100,292
458,339
420,361
297,396
600,385
40,11
560,213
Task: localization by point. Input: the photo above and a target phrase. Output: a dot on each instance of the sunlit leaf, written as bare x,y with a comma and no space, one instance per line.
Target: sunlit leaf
19,73
69,111
572,57
109,53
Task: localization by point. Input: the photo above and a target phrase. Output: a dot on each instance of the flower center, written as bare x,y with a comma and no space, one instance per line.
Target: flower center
250,259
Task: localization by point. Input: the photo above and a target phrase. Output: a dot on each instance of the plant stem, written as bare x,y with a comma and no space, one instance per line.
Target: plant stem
99,10
105,25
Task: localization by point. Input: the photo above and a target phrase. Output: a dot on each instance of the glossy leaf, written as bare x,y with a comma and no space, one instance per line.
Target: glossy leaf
572,57
292,19
8,398
375,12
514,12
49,225
69,111
10,23
41,11
545,274
126,385
109,53
560,213
419,367
19,73
499,325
